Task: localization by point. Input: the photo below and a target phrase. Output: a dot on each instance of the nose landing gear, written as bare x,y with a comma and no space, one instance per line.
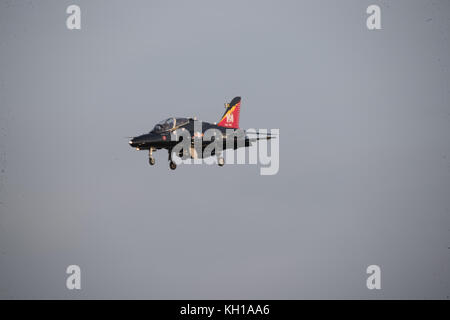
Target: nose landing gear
151,160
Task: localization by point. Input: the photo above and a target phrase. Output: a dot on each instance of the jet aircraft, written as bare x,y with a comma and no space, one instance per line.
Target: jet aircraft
162,137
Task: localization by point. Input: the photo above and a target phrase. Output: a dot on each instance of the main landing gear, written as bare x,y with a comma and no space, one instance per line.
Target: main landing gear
172,165
220,161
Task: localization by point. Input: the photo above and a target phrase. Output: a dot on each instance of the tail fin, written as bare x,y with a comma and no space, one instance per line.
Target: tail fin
230,118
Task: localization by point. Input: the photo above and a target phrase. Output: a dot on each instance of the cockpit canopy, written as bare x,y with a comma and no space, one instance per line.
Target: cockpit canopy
169,124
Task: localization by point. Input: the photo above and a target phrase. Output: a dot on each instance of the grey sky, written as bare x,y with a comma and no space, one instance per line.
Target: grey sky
364,121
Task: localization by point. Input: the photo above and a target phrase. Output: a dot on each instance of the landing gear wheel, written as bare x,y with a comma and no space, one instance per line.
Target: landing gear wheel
220,161
172,165
151,160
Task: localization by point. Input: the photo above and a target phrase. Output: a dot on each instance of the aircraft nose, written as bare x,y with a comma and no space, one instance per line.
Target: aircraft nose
133,143
142,141
137,142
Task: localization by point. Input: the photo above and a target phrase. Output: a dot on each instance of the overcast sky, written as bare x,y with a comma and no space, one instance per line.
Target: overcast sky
364,119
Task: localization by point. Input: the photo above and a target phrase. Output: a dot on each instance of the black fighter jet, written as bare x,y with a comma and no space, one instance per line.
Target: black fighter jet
162,136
